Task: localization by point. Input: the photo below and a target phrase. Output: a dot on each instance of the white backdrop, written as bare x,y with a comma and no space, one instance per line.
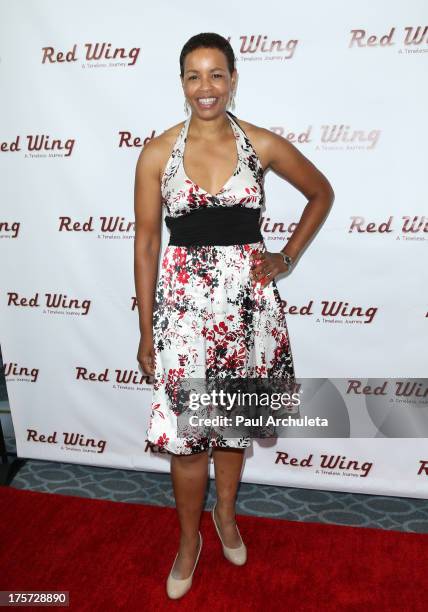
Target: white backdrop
346,83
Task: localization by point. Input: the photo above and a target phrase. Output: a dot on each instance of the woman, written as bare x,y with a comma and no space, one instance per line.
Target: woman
215,309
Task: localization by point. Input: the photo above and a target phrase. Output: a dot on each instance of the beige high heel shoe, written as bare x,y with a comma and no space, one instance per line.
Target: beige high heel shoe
177,587
238,556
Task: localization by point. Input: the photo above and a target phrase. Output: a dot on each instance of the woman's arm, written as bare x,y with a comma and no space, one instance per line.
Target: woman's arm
148,220
285,159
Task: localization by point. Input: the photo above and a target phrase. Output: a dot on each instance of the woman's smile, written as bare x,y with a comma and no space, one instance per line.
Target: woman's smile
205,103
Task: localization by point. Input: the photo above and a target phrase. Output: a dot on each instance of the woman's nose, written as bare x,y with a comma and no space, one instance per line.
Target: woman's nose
205,83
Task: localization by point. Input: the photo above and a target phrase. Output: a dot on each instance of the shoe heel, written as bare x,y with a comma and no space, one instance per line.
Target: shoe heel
237,556
177,587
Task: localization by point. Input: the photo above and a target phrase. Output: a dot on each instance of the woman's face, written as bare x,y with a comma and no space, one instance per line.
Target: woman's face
207,82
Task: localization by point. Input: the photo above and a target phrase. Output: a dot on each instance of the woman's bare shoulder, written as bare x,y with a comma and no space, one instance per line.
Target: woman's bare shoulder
255,131
168,137
260,138
159,148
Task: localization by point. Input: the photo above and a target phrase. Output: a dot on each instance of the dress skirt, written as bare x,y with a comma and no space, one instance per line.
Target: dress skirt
211,320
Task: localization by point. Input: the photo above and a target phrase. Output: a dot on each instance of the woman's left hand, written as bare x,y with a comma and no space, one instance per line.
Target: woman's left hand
265,266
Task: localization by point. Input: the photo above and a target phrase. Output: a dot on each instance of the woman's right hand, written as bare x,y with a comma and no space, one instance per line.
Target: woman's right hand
146,355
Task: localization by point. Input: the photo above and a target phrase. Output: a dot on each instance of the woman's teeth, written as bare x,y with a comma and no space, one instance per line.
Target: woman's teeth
206,101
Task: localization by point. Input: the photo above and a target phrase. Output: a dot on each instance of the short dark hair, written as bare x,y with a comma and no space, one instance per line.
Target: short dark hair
209,40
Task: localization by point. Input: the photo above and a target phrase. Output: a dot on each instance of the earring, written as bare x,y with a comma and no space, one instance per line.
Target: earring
186,107
232,101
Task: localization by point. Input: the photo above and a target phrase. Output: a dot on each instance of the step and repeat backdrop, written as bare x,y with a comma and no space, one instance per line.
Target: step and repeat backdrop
85,87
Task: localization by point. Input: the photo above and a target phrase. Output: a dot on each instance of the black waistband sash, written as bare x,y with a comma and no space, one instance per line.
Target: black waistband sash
216,226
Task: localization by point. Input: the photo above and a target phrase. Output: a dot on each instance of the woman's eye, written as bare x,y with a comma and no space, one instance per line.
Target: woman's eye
194,76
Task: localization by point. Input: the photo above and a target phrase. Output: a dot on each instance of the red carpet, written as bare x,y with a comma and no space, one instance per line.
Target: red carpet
112,556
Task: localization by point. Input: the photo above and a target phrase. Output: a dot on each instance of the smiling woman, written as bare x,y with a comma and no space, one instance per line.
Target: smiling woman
215,312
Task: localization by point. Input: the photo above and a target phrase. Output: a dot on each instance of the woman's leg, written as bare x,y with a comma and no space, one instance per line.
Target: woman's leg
189,479
227,465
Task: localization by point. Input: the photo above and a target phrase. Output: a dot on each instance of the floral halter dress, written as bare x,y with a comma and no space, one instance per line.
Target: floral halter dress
208,317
